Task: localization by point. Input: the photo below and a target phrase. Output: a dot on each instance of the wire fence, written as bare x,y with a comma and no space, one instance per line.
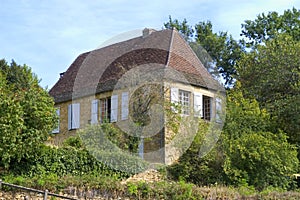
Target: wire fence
46,193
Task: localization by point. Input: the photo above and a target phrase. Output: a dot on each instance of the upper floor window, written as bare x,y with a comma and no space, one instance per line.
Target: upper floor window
105,109
184,100
207,107
56,129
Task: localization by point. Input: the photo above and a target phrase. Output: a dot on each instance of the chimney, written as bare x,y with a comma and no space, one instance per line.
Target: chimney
61,74
147,32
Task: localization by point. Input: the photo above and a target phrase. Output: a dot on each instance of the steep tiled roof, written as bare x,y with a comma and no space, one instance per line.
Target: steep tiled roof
99,70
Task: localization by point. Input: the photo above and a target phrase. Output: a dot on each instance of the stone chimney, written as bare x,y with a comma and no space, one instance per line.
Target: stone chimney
61,74
147,32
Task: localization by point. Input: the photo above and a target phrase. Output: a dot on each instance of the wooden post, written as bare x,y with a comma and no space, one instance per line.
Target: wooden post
45,194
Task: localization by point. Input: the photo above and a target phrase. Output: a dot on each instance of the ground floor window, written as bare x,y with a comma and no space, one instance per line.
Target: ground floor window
207,108
105,109
184,100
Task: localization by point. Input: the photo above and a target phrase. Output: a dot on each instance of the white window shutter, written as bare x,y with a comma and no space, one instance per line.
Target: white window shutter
94,111
198,104
114,108
174,98
125,110
174,95
56,129
218,109
70,117
75,116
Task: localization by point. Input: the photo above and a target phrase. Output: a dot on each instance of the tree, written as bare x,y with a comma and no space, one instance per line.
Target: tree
218,52
271,75
186,30
261,159
267,26
27,113
254,155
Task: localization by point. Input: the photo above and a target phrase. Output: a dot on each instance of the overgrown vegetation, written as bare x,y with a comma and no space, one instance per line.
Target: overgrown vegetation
27,114
260,139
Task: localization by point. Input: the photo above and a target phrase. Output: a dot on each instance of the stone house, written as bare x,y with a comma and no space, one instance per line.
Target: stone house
99,86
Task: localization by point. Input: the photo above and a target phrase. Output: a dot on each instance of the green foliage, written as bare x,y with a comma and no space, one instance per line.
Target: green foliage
113,147
224,50
27,113
183,27
255,156
61,161
267,26
275,82
243,114
194,168
262,159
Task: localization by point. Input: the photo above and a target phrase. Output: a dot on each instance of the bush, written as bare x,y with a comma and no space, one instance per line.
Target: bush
261,159
105,143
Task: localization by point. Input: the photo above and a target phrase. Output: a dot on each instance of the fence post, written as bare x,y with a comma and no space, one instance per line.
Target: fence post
45,194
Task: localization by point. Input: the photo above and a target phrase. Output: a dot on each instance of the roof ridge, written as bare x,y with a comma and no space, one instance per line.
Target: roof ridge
170,46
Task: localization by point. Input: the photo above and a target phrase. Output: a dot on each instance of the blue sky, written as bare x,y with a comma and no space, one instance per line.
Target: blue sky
48,35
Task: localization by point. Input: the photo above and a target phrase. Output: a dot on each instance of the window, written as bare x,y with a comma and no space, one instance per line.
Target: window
105,105
94,111
184,100
56,129
74,116
207,108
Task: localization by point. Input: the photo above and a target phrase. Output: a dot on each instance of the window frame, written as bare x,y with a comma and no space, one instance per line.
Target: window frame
207,107
57,128
184,99
105,109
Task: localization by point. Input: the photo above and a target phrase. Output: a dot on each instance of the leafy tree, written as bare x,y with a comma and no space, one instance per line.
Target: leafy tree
254,155
27,113
244,114
271,74
223,49
186,30
267,26
261,159
218,52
